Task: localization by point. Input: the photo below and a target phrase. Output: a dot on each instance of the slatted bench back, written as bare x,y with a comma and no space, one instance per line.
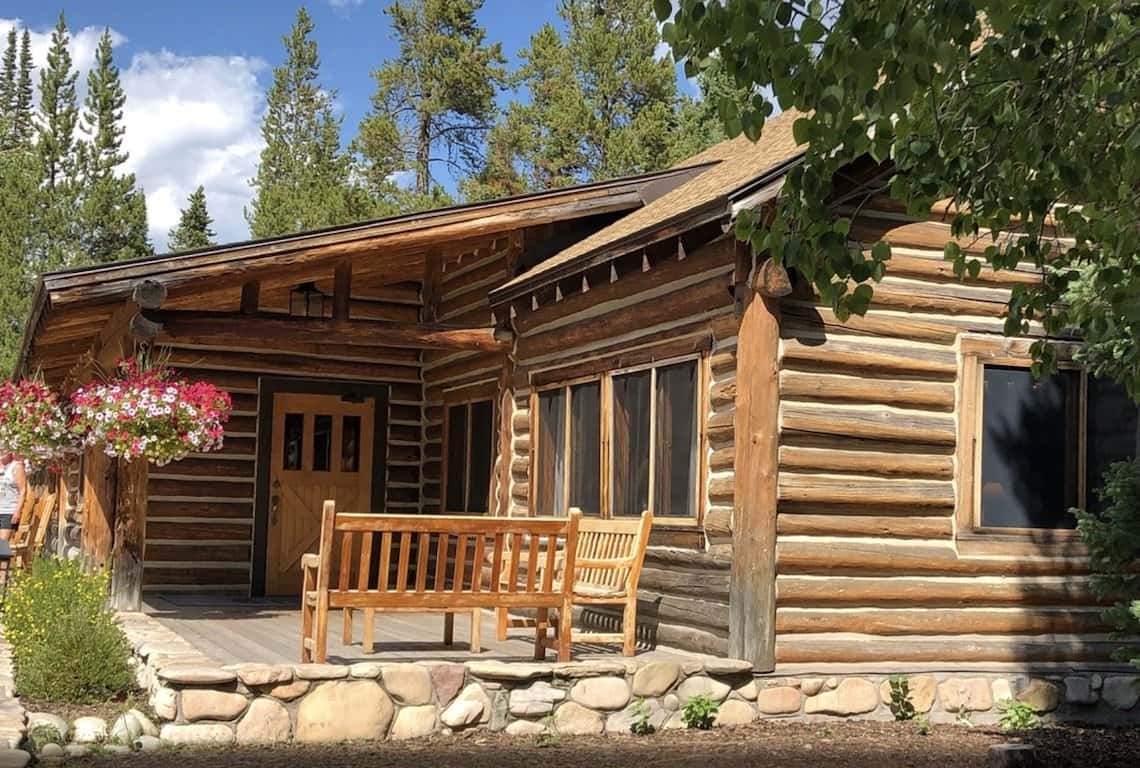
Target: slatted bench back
436,561
610,553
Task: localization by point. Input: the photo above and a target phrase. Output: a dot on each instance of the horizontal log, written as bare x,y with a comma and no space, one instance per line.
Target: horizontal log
809,591
869,354
722,458
931,265
723,363
921,297
691,559
894,527
654,631
193,487
722,489
872,422
811,318
836,556
812,385
857,649
200,577
870,491
230,328
197,553
219,509
198,531
718,522
918,465
720,426
208,468
941,621
918,234
723,395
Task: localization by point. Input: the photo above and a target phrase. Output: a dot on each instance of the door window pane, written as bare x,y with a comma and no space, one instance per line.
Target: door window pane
294,441
1029,448
482,441
551,476
586,448
631,443
322,442
350,444
675,444
1113,433
456,456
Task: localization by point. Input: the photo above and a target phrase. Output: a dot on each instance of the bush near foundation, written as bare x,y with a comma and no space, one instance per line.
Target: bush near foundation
66,642
1113,539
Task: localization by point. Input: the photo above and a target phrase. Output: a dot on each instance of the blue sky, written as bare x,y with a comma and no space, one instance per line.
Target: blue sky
195,74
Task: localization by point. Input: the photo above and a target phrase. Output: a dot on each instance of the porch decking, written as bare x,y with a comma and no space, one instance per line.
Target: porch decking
232,631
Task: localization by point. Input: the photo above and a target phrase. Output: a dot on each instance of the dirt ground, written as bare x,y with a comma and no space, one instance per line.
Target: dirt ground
766,745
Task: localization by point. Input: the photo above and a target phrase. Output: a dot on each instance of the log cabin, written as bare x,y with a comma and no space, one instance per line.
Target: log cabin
887,488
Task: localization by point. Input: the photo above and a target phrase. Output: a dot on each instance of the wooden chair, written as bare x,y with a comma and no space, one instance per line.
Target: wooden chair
29,539
446,576
605,570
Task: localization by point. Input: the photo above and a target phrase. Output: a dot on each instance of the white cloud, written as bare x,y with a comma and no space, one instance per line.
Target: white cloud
189,120
345,3
194,120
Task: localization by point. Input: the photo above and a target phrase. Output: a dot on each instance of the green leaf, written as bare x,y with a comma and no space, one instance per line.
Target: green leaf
811,31
663,9
801,130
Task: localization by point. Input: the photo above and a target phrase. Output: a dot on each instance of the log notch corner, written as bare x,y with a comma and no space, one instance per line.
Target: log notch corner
752,585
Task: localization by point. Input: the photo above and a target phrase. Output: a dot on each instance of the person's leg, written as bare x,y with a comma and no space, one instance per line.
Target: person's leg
5,527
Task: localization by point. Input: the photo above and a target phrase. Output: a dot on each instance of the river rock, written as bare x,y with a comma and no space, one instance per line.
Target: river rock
164,702
89,730
145,723
852,696
320,671
262,674
1079,690
655,678
414,722
572,719
965,695
48,720
499,670
605,693
1121,692
1042,695
539,699
343,711
205,704
622,722
781,700
14,758
148,743
197,735
125,729
470,707
735,712
920,690
265,722
447,679
195,674
525,728
703,686
290,691
408,684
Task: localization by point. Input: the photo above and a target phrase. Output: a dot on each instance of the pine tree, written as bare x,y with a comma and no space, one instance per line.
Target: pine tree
56,234
19,182
193,230
602,104
113,210
699,122
303,176
8,89
435,100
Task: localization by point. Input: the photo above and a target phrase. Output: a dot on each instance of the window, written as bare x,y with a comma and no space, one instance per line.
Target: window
621,444
468,455
1034,448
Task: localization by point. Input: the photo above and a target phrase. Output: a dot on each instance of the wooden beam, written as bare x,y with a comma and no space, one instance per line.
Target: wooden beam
752,585
98,506
342,290
279,331
130,536
432,287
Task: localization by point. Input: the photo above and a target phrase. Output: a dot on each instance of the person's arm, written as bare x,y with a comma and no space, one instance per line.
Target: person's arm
21,479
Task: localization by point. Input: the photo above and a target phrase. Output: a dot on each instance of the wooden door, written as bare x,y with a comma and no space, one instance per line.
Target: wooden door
322,449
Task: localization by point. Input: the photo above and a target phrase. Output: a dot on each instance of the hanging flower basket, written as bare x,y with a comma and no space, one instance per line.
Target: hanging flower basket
147,411
33,425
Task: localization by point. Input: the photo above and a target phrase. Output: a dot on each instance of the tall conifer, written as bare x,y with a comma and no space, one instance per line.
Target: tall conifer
113,211
193,230
302,179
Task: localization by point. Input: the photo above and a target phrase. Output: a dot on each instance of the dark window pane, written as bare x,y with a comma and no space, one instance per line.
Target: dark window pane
675,445
294,440
1029,448
586,448
456,457
322,442
551,476
631,443
482,441
350,444
1113,433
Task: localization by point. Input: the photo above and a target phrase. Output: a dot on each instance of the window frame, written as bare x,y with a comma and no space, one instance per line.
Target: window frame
605,379
466,402
976,353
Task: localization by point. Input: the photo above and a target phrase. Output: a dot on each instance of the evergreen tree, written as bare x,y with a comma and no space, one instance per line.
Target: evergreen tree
303,176
113,210
56,234
699,121
193,230
602,104
8,87
19,181
435,101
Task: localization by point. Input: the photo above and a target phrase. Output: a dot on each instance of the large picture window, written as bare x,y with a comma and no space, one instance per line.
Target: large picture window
1032,449
468,456
620,444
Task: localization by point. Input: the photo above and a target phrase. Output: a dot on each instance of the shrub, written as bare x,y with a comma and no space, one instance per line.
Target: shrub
641,725
901,705
700,712
1017,715
66,643
1113,539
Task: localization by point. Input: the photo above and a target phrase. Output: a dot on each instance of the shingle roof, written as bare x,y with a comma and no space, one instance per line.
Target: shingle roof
737,162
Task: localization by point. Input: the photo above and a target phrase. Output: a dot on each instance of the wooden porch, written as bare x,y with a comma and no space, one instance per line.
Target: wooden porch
233,630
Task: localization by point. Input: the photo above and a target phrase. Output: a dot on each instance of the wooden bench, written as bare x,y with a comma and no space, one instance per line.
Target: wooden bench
28,539
432,563
607,568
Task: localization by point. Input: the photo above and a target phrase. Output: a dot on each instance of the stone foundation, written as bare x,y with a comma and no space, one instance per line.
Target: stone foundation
198,702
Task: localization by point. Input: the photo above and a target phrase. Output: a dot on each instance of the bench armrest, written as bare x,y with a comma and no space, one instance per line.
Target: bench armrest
311,560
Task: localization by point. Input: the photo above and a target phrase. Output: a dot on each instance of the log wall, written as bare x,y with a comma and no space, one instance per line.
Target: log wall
199,534
870,565
646,307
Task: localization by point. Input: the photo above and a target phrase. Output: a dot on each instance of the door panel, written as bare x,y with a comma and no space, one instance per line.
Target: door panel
322,449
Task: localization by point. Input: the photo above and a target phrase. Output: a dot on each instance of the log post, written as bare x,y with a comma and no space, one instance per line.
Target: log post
98,507
432,286
342,291
130,535
250,297
752,585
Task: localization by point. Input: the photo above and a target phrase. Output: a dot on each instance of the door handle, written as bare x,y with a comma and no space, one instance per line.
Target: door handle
273,504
